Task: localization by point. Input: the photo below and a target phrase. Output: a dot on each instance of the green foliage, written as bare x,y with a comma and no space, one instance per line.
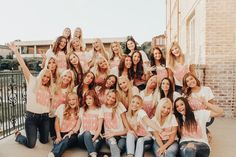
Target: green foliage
32,64
8,64
9,56
1,57
146,47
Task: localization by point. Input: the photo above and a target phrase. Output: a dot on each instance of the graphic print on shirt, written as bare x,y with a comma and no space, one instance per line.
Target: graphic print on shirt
43,97
90,122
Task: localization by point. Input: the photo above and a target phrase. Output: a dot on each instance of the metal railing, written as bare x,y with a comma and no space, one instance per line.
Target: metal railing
12,102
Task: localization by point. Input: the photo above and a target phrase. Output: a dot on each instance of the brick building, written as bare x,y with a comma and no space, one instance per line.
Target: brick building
206,31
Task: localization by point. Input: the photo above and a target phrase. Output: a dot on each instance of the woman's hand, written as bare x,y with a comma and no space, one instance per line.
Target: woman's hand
13,47
58,140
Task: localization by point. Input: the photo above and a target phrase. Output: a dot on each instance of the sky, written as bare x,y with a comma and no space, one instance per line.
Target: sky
45,19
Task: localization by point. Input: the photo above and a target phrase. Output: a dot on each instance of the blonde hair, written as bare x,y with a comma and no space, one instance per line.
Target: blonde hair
97,68
155,92
157,115
132,116
123,96
56,74
120,53
38,84
115,105
67,112
71,48
83,46
171,59
59,82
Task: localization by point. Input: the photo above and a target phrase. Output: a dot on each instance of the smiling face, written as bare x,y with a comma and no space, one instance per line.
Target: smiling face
165,85
76,43
66,79
136,58
110,82
152,82
62,43
135,104
166,109
74,60
123,84
52,64
191,81
66,32
128,62
78,33
131,45
46,78
175,51
115,48
88,78
180,107
73,100
97,46
111,98
102,63
157,54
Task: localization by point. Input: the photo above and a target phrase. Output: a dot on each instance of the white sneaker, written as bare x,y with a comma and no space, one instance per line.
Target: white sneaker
50,154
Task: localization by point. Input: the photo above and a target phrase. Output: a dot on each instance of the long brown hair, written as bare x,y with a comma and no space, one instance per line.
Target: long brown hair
190,123
187,90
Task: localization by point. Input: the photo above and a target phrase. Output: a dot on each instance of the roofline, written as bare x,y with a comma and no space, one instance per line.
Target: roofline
49,42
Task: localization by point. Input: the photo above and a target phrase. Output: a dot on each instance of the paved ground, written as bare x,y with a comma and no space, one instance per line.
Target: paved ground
223,131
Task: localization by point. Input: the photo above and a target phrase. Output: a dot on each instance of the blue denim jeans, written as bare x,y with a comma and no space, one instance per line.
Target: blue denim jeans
201,149
59,149
140,143
52,127
171,151
33,123
117,145
86,140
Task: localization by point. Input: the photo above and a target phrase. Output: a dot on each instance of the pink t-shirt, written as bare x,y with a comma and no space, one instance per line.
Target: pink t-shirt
37,101
148,105
197,99
202,117
166,128
114,124
66,125
179,72
90,120
115,62
141,129
161,73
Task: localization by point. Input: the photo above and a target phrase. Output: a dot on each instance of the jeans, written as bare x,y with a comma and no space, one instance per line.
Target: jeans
201,149
171,151
140,142
59,149
52,127
34,122
117,145
86,140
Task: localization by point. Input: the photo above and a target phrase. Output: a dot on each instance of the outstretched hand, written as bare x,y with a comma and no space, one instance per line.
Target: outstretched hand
13,47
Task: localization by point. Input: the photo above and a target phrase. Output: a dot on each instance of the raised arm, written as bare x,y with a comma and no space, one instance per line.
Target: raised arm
21,61
216,111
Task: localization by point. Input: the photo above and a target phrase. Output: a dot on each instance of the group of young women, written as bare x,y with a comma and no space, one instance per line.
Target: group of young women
124,99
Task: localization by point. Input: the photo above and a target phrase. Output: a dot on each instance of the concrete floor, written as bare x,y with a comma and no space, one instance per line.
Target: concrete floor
223,131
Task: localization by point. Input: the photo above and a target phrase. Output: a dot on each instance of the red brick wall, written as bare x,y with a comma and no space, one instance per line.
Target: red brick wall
221,53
